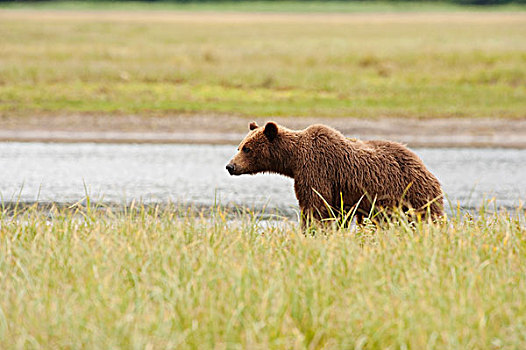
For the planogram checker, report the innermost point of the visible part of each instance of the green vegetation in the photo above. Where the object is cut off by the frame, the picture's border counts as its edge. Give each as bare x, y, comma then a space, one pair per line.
160, 279
297, 6
361, 65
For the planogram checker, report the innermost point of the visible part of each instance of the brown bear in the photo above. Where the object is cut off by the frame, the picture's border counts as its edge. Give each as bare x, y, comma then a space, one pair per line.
327, 168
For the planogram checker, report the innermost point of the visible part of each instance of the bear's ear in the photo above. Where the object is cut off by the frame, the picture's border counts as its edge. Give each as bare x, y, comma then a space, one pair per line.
271, 130
253, 126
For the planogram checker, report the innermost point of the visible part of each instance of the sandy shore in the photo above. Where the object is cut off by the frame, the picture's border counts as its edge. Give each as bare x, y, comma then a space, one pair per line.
259, 17
222, 129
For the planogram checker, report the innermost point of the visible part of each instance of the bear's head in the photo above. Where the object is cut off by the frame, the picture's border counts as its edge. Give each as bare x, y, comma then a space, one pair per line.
255, 151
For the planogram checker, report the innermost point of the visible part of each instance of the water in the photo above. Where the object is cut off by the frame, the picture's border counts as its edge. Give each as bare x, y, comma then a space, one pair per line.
195, 174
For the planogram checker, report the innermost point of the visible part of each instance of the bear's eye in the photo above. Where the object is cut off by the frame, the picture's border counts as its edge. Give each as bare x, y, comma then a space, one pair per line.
246, 149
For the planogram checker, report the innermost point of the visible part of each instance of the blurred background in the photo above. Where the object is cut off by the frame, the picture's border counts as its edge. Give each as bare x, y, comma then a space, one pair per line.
146, 101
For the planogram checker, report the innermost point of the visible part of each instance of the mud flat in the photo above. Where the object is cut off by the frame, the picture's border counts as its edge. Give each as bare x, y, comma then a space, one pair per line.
223, 129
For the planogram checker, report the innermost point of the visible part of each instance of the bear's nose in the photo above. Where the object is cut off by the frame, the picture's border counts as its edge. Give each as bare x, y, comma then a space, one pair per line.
230, 168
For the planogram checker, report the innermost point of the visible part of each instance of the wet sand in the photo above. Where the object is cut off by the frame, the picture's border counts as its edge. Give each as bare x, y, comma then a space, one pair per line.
260, 17
227, 129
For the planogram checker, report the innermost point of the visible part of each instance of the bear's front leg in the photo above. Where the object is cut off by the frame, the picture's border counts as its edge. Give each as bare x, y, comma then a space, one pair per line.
313, 201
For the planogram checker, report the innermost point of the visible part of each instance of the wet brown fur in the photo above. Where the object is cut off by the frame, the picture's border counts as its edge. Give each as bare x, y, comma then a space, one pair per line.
320, 159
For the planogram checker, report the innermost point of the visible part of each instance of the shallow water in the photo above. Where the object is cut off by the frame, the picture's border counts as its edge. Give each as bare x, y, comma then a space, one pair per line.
195, 174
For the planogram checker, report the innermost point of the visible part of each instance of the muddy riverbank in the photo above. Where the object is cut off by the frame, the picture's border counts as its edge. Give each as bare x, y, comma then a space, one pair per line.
226, 129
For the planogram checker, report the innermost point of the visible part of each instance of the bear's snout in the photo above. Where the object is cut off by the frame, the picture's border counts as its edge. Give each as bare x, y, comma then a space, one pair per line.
230, 167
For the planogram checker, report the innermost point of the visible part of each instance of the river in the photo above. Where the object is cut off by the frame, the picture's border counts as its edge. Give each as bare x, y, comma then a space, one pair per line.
196, 175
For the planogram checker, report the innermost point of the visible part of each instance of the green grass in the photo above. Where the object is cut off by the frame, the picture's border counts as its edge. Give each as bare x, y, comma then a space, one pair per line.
425, 64
261, 6
159, 279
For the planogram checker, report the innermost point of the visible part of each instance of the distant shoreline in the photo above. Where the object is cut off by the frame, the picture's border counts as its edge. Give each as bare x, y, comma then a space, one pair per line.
270, 7
225, 129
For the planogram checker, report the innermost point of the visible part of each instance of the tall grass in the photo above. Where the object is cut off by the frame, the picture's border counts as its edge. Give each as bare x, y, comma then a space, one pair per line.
161, 278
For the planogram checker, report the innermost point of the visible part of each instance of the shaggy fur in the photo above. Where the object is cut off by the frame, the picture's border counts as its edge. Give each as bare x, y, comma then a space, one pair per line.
320, 159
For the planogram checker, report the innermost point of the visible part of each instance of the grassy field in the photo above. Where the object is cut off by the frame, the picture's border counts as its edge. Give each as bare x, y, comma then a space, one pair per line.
154, 279
262, 6
418, 64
